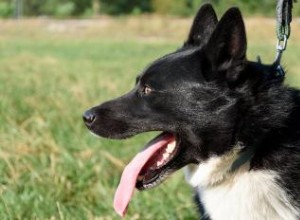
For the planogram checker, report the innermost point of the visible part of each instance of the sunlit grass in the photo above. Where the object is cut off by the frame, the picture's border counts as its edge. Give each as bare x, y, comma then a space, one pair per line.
50, 72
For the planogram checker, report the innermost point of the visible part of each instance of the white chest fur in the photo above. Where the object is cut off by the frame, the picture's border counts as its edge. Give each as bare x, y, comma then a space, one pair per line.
240, 195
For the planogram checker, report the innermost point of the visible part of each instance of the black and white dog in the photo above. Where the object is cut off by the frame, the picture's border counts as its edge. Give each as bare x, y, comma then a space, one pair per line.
232, 121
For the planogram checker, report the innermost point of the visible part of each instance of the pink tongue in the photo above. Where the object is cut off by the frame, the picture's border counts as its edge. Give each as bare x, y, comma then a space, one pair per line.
127, 184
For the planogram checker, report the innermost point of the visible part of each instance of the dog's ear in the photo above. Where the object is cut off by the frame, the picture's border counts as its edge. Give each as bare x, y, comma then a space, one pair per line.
226, 49
203, 26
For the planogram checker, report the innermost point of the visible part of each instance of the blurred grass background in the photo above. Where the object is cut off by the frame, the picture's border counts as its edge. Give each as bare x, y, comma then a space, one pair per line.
88, 8
50, 72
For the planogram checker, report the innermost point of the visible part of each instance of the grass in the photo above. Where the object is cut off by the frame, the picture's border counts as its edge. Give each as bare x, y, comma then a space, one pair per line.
50, 72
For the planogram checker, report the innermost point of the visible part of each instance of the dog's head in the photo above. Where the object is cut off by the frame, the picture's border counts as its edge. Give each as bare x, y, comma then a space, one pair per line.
192, 95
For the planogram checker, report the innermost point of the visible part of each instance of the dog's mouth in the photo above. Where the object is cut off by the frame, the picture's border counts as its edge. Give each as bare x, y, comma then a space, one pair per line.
155, 169
147, 169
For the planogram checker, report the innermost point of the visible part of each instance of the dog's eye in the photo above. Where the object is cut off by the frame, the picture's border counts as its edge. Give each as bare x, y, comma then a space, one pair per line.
147, 90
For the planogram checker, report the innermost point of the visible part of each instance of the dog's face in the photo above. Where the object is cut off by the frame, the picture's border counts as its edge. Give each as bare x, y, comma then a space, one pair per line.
190, 95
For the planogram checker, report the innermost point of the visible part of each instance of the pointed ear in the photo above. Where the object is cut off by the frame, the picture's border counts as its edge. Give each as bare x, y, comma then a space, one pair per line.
226, 49
203, 26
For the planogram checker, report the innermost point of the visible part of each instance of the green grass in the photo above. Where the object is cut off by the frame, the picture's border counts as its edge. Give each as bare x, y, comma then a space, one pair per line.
51, 166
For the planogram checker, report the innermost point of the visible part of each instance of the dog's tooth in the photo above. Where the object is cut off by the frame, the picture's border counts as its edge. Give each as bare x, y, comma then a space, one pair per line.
171, 147
169, 150
159, 163
166, 155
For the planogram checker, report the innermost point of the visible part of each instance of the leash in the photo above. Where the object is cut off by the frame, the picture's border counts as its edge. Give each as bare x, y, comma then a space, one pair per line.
283, 31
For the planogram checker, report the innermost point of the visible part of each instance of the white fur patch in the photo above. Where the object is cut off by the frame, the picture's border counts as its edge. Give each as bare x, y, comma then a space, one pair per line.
242, 194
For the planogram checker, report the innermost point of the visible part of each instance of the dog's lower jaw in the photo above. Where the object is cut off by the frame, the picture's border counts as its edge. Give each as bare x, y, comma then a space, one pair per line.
242, 194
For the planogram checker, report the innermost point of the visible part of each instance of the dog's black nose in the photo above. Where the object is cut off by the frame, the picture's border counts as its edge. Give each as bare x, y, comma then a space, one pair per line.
89, 117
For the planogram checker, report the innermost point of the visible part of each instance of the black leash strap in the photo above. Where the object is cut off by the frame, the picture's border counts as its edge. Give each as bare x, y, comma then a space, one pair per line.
283, 28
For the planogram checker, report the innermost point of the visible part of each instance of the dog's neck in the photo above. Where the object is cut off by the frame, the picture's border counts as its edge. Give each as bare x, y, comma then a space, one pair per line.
261, 114
218, 169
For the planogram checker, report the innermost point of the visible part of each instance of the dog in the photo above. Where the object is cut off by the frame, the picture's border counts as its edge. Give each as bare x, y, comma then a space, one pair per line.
229, 121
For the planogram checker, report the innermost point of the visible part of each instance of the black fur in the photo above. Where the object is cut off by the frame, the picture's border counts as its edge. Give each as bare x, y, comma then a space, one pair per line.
211, 97
205, 17
200, 207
